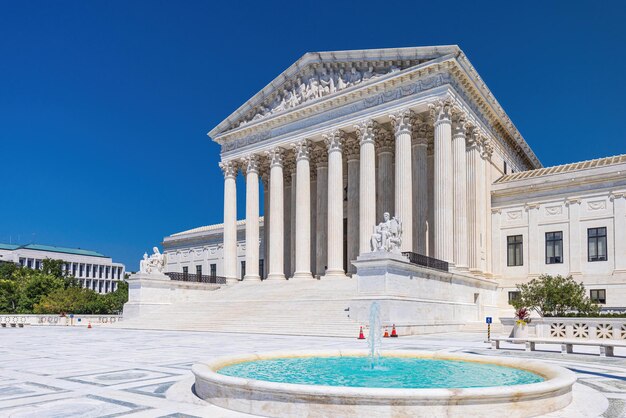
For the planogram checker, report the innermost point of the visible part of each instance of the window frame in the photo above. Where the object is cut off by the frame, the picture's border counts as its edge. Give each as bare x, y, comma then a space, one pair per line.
515, 262
514, 294
596, 298
552, 241
595, 239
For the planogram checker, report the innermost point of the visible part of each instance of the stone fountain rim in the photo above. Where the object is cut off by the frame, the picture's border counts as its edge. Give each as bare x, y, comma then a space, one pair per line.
558, 380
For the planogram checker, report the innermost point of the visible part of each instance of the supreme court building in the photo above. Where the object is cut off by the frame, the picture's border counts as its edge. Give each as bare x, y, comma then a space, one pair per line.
341, 137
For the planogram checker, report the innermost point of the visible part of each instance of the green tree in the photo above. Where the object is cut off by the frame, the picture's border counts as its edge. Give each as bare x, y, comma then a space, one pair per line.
554, 296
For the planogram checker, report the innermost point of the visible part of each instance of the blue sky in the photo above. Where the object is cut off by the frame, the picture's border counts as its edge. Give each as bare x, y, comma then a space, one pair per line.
105, 105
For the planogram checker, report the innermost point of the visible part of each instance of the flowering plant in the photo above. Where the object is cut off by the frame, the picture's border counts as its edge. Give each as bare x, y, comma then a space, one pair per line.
523, 316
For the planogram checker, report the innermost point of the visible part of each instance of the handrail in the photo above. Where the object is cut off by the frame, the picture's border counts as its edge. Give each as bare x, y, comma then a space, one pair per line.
425, 261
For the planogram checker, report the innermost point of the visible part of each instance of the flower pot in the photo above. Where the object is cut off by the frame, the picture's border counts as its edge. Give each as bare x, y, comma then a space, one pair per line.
520, 330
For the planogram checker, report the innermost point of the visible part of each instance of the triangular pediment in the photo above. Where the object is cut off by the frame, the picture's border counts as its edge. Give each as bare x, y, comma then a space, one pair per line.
319, 74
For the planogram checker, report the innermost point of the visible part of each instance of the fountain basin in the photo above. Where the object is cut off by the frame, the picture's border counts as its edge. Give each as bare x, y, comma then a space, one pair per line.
279, 399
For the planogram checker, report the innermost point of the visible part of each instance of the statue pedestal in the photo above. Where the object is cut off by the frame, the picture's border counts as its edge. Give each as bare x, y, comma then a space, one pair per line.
146, 292
418, 299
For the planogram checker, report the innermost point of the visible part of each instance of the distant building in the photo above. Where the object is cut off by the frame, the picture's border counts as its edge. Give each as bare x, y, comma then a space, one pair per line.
93, 270
201, 251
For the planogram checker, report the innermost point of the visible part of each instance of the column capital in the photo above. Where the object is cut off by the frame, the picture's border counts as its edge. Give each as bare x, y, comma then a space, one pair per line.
367, 131
385, 141
352, 149
251, 164
422, 131
618, 194
302, 150
335, 140
531, 206
319, 156
474, 138
276, 157
402, 121
487, 148
289, 168
496, 211
440, 111
459, 124
573, 201
229, 168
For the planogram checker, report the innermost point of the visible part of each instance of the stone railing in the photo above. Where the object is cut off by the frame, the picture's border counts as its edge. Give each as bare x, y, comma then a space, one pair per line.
19, 320
576, 328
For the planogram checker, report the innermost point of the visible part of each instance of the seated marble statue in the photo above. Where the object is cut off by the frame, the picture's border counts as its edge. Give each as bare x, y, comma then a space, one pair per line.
155, 264
387, 235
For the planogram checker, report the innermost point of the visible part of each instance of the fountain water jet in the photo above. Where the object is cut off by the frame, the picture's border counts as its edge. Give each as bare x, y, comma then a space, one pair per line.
374, 339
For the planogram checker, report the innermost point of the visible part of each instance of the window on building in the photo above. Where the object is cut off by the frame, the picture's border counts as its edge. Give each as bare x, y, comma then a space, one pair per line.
596, 244
514, 255
261, 267
513, 296
100, 287
185, 271
29, 263
213, 270
38, 264
100, 271
22, 262
88, 270
107, 272
598, 295
199, 270
554, 247
243, 269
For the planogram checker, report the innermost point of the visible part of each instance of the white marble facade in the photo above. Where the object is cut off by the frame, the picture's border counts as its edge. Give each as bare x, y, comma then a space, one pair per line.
341, 137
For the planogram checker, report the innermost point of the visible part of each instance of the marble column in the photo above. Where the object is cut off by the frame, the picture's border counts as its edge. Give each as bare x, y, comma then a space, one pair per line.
321, 249
460, 191
485, 222
402, 124
334, 143
443, 182
313, 204
292, 228
252, 219
474, 182
288, 167
277, 224
266, 222
419, 168
385, 178
367, 132
230, 221
352, 153
533, 249
303, 211
499, 246
576, 252
619, 226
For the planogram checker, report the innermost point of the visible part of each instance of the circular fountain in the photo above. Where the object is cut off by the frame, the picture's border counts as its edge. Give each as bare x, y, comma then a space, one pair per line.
412, 383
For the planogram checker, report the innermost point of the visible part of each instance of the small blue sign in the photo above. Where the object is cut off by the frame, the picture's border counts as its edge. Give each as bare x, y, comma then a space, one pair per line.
71, 315
489, 319
78, 319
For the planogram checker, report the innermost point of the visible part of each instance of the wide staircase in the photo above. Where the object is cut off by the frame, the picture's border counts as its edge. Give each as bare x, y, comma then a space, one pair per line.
286, 307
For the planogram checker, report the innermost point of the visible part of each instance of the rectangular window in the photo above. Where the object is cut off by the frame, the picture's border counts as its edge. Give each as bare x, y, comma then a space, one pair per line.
513, 295
213, 270
243, 269
554, 247
185, 271
598, 295
38, 264
261, 267
596, 244
199, 270
88, 270
100, 270
514, 255
22, 262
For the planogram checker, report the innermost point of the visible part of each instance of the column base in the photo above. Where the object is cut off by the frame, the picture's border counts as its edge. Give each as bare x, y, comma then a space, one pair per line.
302, 275
232, 280
334, 274
275, 276
251, 278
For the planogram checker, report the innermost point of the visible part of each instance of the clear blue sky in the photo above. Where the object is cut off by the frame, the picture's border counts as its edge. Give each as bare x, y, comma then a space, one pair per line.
105, 105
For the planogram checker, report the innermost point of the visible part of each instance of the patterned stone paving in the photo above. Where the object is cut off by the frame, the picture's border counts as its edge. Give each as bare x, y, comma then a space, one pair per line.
105, 372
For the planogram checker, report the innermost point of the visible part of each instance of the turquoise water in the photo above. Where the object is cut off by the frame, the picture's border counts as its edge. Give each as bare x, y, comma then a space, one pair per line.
394, 372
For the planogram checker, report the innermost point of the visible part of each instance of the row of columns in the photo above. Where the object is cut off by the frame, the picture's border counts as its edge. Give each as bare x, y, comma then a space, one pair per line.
459, 201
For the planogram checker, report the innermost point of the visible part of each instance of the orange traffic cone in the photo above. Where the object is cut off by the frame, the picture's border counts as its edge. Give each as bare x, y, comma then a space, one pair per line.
361, 336
394, 334
89, 325
386, 335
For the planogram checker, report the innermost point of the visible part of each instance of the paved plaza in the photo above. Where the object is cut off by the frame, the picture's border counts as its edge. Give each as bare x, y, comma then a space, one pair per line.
106, 372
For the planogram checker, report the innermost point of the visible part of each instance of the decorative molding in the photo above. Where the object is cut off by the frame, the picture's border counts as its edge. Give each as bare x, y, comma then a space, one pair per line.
422, 130
573, 201
251, 164
459, 123
596, 205
554, 210
385, 141
617, 195
440, 111
352, 149
514, 215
